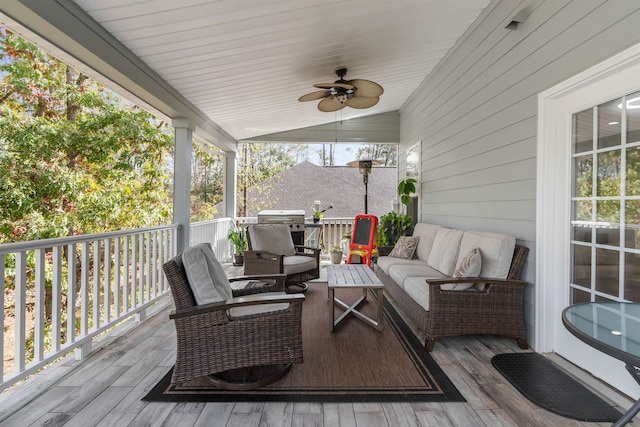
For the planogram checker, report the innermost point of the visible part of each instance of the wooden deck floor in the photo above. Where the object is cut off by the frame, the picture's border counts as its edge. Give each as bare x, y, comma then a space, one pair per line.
106, 388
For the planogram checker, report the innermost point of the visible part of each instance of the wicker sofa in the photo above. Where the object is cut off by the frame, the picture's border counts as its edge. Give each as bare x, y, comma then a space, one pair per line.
439, 304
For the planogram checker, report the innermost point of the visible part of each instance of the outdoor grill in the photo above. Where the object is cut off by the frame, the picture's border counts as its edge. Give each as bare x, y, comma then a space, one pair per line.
294, 218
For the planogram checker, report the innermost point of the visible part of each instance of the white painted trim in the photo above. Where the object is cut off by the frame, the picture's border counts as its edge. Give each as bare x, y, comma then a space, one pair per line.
613, 77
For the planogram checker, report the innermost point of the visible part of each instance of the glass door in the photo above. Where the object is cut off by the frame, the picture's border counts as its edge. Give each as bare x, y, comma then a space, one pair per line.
605, 222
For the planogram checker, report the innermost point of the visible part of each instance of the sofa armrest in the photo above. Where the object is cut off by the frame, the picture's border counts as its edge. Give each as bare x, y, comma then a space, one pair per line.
486, 280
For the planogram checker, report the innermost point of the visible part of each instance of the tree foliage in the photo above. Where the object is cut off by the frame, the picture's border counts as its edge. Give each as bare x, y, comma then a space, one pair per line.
74, 157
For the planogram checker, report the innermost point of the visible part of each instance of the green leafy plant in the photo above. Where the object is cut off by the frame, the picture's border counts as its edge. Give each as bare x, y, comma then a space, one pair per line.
406, 188
238, 236
319, 213
335, 249
392, 226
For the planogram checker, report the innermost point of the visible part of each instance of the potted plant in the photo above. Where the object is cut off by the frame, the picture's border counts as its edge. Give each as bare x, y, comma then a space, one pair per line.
319, 213
238, 236
335, 254
391, 227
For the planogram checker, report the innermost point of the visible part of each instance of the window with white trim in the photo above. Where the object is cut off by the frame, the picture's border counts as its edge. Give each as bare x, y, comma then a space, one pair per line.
605, 226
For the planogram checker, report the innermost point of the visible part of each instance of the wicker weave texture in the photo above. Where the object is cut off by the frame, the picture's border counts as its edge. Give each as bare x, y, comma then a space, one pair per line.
497, 310
209, 341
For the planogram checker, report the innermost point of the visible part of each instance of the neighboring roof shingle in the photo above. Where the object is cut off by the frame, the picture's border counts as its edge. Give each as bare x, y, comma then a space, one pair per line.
340, 186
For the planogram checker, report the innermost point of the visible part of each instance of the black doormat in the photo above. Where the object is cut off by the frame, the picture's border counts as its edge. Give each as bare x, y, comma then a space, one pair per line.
355, 363
546, 385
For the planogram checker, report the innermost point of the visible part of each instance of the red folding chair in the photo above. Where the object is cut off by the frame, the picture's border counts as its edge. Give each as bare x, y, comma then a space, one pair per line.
363, 240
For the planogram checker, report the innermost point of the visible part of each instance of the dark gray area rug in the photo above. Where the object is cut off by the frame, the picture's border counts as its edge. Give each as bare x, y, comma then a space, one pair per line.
546, 385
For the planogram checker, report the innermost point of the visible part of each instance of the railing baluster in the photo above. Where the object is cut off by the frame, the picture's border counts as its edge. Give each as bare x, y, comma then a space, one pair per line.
125, 284
95, 294
20, 296
107, 281
117, 272
134, 270
84, 289
71, 293
147, 282
56, 298
38, 309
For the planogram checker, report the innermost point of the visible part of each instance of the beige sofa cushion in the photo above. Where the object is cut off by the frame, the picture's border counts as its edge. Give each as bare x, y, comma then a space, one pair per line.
427, 234
385, 262
206, 276
444, 252
418, 290
496, 249
399, 273
272, 238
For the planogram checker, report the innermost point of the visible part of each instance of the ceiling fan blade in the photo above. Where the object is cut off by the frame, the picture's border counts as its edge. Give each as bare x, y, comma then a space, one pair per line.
332, 85
329, 104
367, 88
313, 96
362, 101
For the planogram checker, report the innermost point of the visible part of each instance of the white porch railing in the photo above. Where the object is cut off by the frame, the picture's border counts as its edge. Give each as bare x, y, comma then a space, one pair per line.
60, 293
214, 231
333, 229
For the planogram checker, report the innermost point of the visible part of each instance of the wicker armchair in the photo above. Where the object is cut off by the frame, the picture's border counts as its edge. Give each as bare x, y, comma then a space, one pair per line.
271, 251
211, 341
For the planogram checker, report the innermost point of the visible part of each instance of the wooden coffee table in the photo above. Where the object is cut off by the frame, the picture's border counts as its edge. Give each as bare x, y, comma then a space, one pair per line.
349, 276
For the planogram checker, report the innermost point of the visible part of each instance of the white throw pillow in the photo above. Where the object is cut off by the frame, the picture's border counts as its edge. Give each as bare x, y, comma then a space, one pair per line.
405, 247
470, 266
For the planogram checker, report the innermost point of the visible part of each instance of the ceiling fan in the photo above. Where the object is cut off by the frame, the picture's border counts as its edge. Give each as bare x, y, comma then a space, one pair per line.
342, 93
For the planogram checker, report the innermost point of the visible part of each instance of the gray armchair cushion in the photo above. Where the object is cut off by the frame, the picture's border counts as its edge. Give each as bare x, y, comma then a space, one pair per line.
206, 277
298, 264
273, 238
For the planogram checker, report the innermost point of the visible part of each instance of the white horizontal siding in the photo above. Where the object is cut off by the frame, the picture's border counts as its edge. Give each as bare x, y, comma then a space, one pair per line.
476, 112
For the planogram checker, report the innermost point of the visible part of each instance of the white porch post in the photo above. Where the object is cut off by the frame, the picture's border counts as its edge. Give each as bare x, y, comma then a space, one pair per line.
230, 180
182, 180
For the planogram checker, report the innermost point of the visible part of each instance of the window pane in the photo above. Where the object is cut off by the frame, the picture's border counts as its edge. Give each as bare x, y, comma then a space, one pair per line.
633, 118
607, 271
581, 233
583, 170
633, 171
578, 296
608, 211
581, 274
632, 277
608, 236
609, 174
632, 220
583, 210
609, 124
583, 131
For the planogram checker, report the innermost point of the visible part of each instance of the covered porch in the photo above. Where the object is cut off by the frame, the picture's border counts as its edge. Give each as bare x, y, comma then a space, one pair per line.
469, 105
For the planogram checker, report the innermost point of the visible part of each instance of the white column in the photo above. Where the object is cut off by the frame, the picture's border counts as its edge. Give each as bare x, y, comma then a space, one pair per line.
182, 180
230, 181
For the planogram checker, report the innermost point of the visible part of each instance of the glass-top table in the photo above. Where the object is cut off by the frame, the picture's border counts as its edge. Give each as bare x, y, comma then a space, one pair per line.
614, 329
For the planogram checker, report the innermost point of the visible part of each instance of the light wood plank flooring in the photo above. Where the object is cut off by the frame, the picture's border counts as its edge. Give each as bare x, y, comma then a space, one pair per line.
106, 388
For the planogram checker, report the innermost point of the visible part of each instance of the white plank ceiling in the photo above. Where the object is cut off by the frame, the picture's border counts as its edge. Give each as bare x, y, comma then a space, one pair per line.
244, 63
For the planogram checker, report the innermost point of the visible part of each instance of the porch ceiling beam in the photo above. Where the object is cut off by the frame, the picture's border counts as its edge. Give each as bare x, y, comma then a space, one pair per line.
69, 29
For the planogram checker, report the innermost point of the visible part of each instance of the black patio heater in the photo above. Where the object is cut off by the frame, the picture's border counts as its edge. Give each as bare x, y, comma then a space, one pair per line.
364, 166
